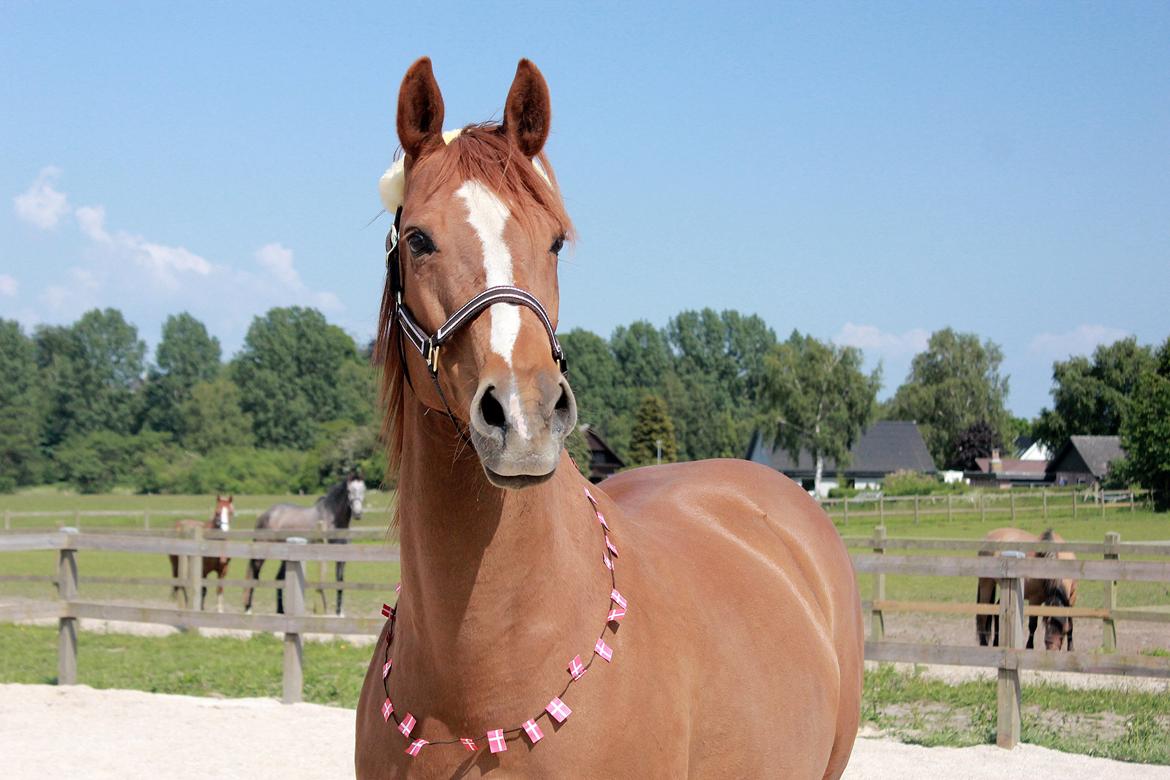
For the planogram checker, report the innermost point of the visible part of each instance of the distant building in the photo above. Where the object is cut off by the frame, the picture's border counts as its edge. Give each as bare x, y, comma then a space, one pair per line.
1085, 460
603, 461
1007, 472
1028, 448
885, 447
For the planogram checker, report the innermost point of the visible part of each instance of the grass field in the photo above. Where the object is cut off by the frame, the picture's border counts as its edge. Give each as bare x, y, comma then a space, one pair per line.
1129, 726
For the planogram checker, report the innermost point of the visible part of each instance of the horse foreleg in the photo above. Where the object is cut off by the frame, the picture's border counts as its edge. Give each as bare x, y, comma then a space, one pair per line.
253, 575
984, 595
340, 580
1070, 627
280, 589
1032, 621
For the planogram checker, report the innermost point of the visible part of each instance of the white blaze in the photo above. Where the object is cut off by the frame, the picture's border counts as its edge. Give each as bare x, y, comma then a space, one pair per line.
488, 215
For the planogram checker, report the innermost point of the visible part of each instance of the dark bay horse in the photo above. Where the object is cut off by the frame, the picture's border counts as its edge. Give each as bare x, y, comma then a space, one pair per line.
221, 520
730, 638
342, 503
1052, 593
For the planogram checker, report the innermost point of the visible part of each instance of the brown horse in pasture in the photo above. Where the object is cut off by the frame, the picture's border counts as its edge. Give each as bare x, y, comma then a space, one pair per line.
730, 640
1052, 593
221, 520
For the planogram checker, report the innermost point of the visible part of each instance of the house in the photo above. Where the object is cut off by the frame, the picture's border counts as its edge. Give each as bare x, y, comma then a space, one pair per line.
1008, 472
603, 461
885, 447
1084, 460
1028, 448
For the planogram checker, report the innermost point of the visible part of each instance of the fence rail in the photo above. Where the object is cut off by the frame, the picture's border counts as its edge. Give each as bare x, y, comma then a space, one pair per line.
1005, 562
1013, 504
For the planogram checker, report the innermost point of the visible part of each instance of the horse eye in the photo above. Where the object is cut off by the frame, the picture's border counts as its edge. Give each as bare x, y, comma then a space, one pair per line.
557, 245
420, 243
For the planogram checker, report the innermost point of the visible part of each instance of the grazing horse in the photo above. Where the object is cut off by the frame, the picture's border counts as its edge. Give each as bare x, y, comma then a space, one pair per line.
221, 520
731, 639
1051, 593
342, 503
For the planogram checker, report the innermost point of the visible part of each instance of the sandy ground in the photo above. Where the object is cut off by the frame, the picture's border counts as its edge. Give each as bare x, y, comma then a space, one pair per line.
78, 732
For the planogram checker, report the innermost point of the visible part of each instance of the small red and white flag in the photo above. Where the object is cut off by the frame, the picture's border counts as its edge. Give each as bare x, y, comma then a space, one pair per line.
615, 615
407, 725
415, 747
607, 561
601, 519
576, 668
609, 544
387, 708
387, 611
386, 668
589, 496
496, 741
618, 598
533, 731
558, 710
469, 744
603, 650
398, 588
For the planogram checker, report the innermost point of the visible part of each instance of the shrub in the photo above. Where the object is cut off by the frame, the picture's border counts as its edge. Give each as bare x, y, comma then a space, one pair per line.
910, 483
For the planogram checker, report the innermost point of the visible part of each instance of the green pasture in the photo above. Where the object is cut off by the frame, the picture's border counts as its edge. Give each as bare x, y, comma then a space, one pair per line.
1130, 726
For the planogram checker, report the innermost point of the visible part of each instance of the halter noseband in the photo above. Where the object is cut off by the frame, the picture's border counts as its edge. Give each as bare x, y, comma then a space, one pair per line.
429, 345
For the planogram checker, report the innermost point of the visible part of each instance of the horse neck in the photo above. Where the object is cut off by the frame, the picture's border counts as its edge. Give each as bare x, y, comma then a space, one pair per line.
487, 574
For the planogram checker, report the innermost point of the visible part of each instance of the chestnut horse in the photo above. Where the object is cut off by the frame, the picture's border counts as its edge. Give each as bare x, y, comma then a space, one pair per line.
221, 520
741, 655
1052, 593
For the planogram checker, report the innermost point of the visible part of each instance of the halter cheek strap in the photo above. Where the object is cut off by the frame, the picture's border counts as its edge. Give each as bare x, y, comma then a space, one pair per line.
430, 345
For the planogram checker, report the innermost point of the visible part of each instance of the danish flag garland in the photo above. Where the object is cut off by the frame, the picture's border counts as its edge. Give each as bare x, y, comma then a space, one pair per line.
556, 709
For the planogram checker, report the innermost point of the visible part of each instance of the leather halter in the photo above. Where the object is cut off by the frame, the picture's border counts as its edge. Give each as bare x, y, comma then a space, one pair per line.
429, 345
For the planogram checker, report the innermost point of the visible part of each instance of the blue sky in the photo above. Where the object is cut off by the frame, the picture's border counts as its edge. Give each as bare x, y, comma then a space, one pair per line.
867, 173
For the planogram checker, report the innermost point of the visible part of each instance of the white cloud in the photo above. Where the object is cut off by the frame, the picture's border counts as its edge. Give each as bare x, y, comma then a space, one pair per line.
41, 205
1079, 341
162, 261
277, 260
8, 286
874, 339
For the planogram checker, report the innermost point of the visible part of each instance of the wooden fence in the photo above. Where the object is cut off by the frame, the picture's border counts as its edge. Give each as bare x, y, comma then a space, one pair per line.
1010, 505
1007, 564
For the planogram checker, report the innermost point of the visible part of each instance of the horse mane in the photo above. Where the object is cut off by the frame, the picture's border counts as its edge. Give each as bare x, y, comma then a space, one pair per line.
336, 496
486, 153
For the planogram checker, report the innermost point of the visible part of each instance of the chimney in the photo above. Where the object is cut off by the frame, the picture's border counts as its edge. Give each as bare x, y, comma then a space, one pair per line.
996, 463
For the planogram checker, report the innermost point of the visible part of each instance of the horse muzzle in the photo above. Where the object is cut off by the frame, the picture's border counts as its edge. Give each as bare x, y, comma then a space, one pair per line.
518, 429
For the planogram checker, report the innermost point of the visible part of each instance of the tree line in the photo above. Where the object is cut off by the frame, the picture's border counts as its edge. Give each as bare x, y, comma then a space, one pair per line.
296, 405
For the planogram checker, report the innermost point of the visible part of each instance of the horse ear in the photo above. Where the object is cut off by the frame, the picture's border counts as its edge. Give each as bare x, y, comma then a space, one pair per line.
528, 111
420, 110
230, 499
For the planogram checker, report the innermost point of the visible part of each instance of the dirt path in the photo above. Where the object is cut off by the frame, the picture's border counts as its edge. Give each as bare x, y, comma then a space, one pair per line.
48, 732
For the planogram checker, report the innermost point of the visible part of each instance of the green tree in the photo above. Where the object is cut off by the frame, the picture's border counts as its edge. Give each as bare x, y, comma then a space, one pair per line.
955, 383
289, 372
89, 371
20, 408
1145, 429
186, 356
1091, 397
653, 432
818, 399
593, 374
211, 418
645, 365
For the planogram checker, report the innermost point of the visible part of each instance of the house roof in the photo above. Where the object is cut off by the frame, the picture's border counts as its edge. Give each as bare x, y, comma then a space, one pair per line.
1093, 452
600, 446
1014, 467
885, 447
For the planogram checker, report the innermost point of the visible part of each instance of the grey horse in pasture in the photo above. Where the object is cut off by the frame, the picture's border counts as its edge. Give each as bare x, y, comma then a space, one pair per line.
334, 510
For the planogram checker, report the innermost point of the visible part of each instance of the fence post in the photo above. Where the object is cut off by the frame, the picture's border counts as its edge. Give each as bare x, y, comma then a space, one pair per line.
294, 607
845, 503
7, 519
146, 519
983, 507
1044, 498
950, 505
1131, 501
67, 626
915, 510
1011, 636
877, 619
195, 570
1012, 498
1108, 626
1074, 495
881, 509
76, 519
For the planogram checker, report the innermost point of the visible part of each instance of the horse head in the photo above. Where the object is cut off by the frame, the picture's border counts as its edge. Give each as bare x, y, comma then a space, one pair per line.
480, 224
1056, 628
355, 488
221, 518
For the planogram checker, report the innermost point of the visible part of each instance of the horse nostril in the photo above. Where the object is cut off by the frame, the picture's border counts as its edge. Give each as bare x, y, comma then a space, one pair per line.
562, 402
493, 413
